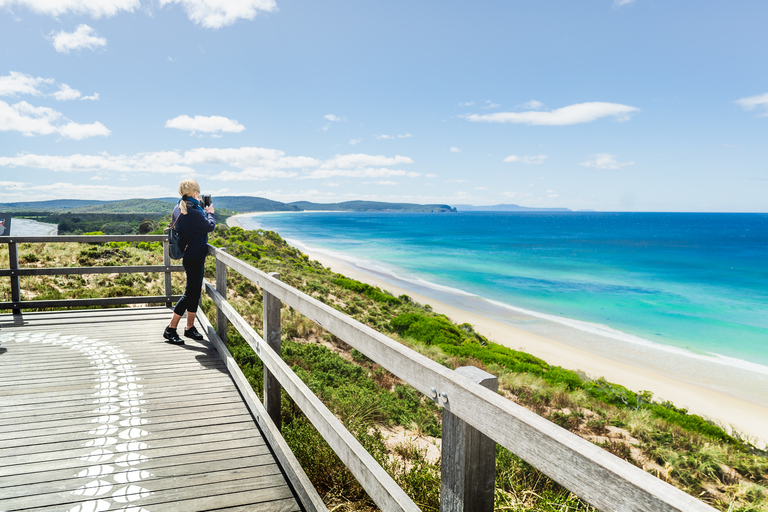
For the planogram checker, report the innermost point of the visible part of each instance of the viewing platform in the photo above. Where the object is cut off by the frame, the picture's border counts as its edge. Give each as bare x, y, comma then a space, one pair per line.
97, 412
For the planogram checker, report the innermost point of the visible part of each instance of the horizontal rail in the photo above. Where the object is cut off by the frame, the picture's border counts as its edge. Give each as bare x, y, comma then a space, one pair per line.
382, 489
82, 239
14, 272
598, 477
63, 271
76, 303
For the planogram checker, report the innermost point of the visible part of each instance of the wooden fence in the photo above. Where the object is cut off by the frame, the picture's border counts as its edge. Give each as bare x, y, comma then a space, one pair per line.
14, 272
475, 416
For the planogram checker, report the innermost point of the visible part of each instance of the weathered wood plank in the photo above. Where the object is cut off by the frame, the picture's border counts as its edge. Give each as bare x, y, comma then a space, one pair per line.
174, 488
58, 481
221, 459
76, 303
83, 238
188, 434
66, 271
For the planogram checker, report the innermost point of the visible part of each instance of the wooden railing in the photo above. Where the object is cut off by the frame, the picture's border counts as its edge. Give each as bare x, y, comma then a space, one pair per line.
14, 272
475, 416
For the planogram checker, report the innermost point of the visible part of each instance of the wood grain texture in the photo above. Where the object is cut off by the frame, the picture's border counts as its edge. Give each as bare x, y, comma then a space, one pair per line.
98, 412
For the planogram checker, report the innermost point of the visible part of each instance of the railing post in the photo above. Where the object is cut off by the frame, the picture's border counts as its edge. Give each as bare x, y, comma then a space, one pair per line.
271, 335
13, 260
167, 263
221, 288
468, 457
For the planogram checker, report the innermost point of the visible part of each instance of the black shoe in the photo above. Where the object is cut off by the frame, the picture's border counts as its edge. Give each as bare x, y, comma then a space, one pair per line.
192, 333
171, 336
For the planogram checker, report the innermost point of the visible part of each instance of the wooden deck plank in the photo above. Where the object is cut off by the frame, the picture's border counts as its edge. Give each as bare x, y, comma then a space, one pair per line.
54, 481
97, 410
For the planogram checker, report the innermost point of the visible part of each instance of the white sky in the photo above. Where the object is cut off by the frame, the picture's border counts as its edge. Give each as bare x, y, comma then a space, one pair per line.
636, 105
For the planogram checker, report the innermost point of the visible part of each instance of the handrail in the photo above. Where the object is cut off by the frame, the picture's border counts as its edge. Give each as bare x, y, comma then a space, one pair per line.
14, 272
600, 478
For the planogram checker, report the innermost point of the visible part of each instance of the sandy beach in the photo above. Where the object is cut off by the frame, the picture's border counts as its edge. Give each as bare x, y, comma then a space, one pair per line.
747, 417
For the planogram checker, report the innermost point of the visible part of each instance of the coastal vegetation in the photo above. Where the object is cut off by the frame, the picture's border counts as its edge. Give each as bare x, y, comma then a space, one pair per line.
397, 425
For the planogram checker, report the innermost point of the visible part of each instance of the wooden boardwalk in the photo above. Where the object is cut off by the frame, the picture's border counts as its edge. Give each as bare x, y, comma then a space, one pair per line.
98, 413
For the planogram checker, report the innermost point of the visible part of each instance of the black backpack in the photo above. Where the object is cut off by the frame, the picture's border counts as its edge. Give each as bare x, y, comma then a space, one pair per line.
174, 241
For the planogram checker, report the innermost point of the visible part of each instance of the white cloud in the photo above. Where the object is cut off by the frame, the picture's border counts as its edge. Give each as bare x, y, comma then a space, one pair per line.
393, 137
467, 104
38, 192
247, 157
430, 175
254, 174
605, 162
17, 83
490, 104
83, 37
759, 101
246, 164
220, 13
360, 173
572, 114
532, 105
77, 131
30, 120
454, 149
387, 183
355, 142
209, 124
65, 92
360, 160
158, 163
333, 118
94, 8
527, 159
619, 3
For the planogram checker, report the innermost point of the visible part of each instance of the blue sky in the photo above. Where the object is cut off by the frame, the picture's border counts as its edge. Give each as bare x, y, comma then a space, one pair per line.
632, 105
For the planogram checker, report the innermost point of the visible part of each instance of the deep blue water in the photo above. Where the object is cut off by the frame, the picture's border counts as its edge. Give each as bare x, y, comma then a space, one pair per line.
697, 282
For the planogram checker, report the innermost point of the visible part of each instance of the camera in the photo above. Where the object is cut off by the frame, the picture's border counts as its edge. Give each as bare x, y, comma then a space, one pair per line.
206, 200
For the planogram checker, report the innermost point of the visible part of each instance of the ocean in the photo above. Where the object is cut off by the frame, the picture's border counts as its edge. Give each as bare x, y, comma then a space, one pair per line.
684, 294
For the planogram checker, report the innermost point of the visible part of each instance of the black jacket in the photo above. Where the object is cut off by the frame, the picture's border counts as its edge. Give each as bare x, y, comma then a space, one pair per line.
193, 228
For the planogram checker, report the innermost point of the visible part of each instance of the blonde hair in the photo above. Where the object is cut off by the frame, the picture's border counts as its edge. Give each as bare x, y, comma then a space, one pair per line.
189, 188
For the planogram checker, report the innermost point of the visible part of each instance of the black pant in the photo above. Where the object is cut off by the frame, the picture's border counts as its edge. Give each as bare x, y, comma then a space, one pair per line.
194, 268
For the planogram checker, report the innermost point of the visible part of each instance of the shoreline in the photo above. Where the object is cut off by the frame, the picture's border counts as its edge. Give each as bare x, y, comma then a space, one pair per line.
726, 409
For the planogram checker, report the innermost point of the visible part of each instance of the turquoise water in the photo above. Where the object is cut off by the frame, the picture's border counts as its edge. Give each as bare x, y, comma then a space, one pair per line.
693, 284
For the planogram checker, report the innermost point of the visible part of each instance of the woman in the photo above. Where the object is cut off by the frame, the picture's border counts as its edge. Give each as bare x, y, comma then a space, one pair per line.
193, 224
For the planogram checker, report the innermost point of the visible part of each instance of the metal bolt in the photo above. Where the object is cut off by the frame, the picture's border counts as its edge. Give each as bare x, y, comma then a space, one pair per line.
434, 393
444, 398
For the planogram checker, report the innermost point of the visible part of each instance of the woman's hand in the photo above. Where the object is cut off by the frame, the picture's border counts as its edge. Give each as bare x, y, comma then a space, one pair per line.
209, 209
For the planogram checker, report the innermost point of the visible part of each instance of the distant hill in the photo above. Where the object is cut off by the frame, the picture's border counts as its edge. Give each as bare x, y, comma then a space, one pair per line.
54, 205
240, 204
506, 208
372, 206
145, 206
